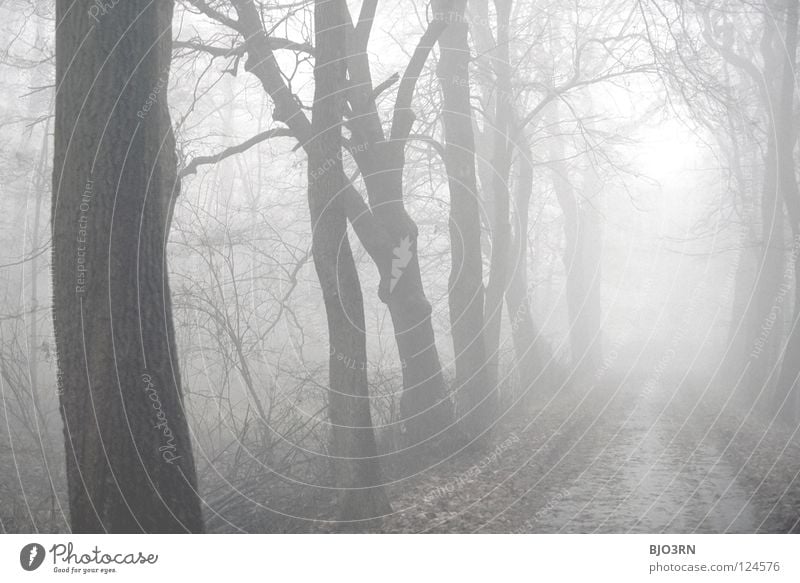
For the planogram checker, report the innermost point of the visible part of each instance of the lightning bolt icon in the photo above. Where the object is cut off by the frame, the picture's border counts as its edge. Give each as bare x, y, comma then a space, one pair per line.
34, 552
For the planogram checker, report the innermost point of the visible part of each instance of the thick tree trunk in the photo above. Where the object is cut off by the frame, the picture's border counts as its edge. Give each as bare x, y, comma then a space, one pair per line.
757, 315
741, 316
531, 350
356, 462
384, 227
501, 166
129, 455
475, 395
766, 342
425, 407
787, 396
788, 386
765, 345
744, 316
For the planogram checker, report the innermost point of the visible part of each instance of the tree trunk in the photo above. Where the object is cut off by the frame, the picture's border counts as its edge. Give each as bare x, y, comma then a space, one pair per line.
130, 466
475, 396
581, 261
532, 352
788, 386
425, 408
384, 227
765, 345
501, 166
356, 461
744, 316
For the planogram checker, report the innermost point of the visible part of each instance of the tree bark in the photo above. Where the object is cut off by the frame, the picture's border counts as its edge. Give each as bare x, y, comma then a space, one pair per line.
356, 462
425, 407
761, 332
501, 166
130, 466
788, 386
766, 342
384, 227
475, 395
743, 313
531, 350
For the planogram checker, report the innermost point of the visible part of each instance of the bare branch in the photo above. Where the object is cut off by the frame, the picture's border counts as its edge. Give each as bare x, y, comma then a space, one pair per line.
384, 86
275, 43
192, 166
403, 117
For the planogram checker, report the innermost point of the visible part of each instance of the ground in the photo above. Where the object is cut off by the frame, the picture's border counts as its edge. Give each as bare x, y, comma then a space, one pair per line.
625, 452
627, 455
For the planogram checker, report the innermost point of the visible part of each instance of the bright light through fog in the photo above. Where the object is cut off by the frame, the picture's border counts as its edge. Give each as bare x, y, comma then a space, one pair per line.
665, 152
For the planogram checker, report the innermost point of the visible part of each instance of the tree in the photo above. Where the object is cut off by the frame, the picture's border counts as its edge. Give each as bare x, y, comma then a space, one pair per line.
501, 167
756, 339
582, 256
500, 105
534, 360
518, 92
382, 224
787, 398
476, 395
130, 466
356, 462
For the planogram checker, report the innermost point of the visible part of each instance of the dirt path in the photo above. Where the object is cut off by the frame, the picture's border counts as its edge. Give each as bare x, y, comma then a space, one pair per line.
627, 457
652, 476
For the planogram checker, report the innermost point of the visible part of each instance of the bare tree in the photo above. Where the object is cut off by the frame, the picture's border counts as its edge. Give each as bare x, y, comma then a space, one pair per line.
382, 224
130, 466
476, 395
788, 388
356, 462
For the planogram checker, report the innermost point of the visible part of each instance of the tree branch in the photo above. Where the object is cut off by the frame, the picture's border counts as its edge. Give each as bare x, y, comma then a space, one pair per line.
261, 63
403, 117
192, 166
213, 14
275, 43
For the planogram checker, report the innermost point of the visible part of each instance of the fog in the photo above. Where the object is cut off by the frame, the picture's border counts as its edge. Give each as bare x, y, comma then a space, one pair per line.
463, 266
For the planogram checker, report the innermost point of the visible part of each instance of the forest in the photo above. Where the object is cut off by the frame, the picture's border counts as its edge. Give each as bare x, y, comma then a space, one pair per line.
422, 266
